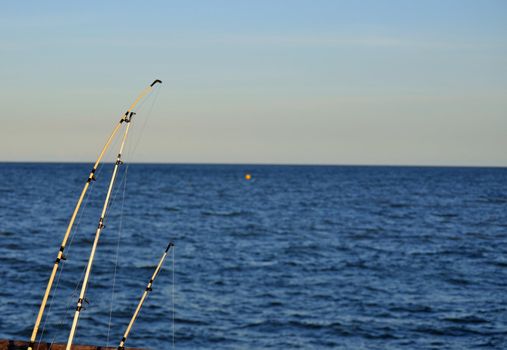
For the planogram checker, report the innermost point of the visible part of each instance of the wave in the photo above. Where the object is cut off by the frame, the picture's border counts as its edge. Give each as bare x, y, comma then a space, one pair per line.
224, 213
172, 209
469, 319
6, 234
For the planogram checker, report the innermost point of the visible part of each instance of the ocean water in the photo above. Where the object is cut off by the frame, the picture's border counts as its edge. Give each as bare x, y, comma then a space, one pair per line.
300, 257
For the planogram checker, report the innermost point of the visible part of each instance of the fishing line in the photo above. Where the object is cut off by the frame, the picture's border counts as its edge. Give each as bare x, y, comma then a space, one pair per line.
117, 254
148, 115
132, 151
71, 298
133, 137
128, 155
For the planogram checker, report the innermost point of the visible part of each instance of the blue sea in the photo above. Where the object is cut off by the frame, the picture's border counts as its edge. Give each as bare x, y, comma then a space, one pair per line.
299, 257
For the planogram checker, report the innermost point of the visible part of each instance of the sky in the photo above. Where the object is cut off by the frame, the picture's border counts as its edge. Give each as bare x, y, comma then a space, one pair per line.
278, 82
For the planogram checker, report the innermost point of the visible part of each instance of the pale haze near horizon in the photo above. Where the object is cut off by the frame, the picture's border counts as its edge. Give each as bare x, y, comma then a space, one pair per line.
286, 82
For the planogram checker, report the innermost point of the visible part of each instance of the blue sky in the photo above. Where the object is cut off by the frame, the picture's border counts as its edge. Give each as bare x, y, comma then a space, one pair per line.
314, 82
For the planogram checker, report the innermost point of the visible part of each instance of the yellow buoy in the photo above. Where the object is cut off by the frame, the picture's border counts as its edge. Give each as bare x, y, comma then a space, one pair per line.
248, 177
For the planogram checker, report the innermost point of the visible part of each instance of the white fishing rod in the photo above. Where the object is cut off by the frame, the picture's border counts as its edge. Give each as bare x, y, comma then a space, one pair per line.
143, 298
128, 117
91, 177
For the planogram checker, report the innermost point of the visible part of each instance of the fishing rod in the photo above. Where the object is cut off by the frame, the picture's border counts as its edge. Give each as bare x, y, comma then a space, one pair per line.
143, 298
100, 226
97, 235
91, 177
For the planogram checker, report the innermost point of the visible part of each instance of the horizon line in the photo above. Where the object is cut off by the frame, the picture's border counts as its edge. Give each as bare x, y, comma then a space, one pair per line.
268, 164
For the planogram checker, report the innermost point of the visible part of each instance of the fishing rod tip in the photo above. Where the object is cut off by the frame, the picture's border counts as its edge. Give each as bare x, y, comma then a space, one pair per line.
156, 81
171, 244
